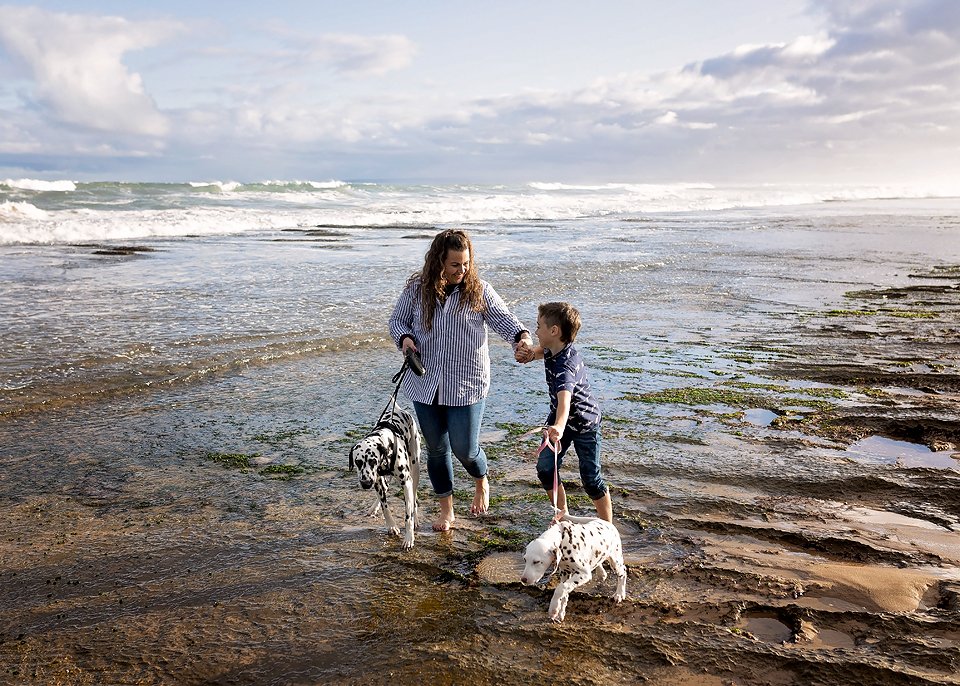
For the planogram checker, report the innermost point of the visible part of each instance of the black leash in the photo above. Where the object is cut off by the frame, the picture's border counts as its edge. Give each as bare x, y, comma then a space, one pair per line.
410, 361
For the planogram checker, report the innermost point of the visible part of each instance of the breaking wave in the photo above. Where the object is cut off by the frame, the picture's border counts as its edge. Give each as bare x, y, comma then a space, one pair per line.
33, 211
38, 185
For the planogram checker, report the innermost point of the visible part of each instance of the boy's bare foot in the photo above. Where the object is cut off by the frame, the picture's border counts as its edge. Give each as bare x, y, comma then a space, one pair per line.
444, 522
481, 499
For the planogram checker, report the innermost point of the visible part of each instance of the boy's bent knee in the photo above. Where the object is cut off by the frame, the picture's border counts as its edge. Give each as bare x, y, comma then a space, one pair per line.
546, 479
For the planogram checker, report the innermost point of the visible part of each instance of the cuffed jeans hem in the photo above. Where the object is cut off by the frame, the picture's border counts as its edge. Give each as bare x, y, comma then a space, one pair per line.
594, 491
447, 495
587, 445
606, 492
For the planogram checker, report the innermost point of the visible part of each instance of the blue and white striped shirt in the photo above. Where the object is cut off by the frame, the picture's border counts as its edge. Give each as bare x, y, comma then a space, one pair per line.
454, 351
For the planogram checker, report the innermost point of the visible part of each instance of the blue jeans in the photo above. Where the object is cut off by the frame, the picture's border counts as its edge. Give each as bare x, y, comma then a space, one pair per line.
455, 429
587, 445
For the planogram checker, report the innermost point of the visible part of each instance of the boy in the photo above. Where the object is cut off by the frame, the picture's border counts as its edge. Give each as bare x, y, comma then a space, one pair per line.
574, 411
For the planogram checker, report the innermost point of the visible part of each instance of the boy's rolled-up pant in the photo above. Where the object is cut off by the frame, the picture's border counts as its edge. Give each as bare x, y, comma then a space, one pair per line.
587, 446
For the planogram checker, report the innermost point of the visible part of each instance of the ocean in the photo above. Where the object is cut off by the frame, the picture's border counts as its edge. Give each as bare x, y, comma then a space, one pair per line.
184, 367
114, 287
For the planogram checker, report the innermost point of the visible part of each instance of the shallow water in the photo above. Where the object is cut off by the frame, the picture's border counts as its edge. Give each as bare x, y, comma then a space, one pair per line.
758, 547
902, 453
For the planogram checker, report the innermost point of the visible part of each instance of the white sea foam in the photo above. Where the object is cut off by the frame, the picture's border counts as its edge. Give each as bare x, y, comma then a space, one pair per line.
318, 185
19, 211
649, 189
71, 226
224, 186
38, 185
278, 184
178, 209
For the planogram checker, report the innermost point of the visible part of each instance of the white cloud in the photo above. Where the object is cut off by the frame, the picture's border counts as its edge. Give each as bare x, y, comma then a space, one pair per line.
76, 65
344, 54
877, 82
807, 47
17, 140
849, 117
362, 55
667, 119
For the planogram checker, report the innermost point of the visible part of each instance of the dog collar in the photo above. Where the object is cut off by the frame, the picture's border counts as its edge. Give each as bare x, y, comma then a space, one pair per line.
395, 430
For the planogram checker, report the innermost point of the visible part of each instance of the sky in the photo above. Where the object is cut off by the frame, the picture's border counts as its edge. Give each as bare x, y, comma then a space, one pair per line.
610, 91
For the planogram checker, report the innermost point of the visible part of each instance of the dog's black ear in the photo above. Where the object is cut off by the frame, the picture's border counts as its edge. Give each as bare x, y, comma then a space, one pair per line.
352, 461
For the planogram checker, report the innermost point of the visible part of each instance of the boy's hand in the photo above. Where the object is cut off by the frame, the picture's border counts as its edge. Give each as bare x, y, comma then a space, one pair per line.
524, 352
554, 433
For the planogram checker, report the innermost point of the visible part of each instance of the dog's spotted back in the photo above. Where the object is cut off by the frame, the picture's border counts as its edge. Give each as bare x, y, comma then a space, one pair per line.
576, 547
391, 449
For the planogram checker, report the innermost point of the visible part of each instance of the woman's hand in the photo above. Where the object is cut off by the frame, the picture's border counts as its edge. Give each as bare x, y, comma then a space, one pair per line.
408, 344
524, 351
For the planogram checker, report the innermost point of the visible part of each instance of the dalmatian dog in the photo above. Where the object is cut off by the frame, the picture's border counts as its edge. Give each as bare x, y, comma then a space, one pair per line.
392, 448
575, 546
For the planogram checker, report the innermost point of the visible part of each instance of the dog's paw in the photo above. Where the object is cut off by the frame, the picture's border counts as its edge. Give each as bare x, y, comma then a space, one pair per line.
557, 610
407, 542
619, 596
394, 531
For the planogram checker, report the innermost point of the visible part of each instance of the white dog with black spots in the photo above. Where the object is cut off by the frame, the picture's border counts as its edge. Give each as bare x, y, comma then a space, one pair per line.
392, 448
575, 547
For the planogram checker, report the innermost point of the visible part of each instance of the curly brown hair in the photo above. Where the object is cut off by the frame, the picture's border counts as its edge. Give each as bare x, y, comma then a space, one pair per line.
433, 285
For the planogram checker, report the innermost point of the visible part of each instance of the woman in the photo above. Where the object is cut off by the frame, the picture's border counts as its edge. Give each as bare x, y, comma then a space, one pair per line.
443, 314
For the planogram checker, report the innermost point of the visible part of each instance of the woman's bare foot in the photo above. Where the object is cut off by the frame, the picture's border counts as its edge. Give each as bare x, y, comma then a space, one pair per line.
445, 520
481, 499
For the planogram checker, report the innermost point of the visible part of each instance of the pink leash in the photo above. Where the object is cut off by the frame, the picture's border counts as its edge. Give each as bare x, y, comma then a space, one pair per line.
556, 471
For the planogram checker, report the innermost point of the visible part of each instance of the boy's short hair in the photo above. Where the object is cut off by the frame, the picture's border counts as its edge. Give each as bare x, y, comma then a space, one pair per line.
563, 315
